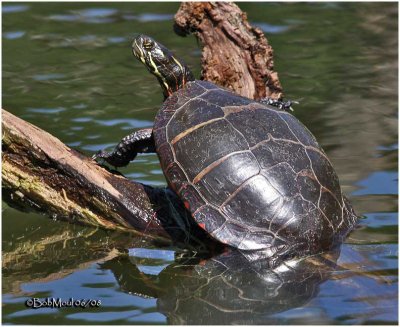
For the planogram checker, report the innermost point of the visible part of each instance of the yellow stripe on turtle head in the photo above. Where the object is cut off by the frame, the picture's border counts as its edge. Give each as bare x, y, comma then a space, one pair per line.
152, 63
181, 68
178, 63
156, 72
141, 56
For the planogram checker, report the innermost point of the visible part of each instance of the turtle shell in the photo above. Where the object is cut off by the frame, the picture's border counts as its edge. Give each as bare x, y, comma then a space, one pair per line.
251, 175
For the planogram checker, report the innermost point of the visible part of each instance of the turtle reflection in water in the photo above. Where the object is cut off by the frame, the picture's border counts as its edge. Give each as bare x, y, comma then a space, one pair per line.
235, 287
250, 173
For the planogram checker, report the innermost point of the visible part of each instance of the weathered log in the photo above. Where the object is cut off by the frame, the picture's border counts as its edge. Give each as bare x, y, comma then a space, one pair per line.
235, 54
42, 173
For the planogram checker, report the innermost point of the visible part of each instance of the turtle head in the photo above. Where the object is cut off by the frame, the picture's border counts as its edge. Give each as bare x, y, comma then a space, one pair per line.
172, 73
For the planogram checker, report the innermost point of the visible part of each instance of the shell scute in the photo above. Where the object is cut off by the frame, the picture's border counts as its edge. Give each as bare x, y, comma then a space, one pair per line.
194, 113
192, 197
256, 201
223, 177
203, 215
207, 144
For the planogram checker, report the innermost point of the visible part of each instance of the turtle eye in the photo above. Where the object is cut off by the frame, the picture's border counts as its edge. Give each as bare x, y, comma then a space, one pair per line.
148, 44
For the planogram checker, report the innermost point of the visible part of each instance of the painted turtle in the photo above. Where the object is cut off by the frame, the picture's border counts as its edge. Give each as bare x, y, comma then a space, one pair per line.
251, 174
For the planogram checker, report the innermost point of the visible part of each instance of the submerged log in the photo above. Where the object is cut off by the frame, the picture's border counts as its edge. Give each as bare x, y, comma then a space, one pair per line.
41, 173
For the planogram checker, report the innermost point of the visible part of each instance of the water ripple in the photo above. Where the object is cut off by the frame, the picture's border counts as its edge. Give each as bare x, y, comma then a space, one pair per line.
154, 17
87, 40
390, 147
272, 29
13, 35
117, 39
96, 12
6, 9
92, 15
148, 17
46, 110
47, 77
80, 106
64, 18
165, 255
130, 122
379, 182
107, 15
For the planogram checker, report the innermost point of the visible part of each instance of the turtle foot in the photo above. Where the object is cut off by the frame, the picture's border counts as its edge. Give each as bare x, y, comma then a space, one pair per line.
114, 159
280, 104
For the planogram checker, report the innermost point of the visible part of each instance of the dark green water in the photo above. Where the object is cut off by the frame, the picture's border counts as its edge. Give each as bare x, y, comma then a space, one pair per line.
68, 68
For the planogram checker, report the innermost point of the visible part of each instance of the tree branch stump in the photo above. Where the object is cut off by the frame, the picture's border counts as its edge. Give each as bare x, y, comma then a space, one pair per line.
235, 54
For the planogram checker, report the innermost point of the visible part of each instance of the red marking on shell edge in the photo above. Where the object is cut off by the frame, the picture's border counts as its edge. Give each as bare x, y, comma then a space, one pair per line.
202, 225
186, 204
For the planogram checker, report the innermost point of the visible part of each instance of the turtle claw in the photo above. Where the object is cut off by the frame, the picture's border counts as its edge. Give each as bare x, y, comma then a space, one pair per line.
287, 105
101, 157
280, 104
115, 158
100, 154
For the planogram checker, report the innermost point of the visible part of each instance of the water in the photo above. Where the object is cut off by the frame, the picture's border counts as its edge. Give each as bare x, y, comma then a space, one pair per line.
67, 68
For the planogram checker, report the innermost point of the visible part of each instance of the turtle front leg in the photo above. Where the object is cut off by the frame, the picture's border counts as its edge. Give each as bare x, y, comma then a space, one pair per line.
126, 150
280, 104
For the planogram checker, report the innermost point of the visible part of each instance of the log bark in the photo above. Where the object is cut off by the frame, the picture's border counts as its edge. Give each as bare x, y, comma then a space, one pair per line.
41, 173
235, 54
